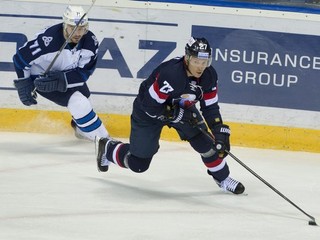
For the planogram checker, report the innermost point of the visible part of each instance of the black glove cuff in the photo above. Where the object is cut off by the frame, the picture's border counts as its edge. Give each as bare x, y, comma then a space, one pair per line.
221, 129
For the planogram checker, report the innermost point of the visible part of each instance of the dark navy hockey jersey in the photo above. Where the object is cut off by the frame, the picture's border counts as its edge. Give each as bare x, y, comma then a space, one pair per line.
77, 60
169, 81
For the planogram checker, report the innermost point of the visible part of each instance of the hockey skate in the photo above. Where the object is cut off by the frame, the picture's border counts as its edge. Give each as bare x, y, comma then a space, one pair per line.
77, 132
103, 151
100, 146
230, 185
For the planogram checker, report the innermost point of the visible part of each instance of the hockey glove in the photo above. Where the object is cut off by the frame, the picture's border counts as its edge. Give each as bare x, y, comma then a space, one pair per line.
176, 114
221, 134
26, 91
53, 81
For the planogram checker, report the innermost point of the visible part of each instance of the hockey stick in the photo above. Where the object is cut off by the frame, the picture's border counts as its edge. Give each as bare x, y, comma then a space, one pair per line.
64, 45
311, 222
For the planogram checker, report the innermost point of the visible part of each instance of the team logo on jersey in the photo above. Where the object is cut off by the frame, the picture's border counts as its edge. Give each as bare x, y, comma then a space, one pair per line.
166, 88
193, 86
46, 40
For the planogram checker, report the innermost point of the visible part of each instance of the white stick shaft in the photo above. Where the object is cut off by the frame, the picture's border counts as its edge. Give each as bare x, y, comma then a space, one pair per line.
63, 46
68, 39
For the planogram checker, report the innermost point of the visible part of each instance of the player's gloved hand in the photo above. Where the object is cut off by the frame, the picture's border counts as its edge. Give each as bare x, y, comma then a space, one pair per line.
176, 114
52, 81
26, 91
221, 134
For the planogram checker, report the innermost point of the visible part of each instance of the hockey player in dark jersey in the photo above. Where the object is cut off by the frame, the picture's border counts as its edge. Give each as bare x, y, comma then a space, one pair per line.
168, 97
65, 83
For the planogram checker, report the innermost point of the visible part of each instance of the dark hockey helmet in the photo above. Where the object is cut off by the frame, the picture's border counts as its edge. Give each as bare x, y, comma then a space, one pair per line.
199, 48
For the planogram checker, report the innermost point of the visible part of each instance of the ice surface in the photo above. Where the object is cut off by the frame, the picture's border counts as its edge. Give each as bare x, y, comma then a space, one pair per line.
50, 189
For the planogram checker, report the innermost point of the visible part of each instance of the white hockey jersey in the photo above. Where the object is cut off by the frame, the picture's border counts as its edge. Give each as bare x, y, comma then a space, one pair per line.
77, 60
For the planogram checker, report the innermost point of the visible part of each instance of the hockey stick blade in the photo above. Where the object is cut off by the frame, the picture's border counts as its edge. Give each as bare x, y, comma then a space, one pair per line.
312, 219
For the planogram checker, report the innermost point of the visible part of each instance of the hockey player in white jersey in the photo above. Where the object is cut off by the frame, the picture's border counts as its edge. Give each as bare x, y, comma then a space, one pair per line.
65, 82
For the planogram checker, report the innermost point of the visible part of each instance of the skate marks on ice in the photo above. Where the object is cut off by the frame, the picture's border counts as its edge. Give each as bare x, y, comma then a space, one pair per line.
50, 189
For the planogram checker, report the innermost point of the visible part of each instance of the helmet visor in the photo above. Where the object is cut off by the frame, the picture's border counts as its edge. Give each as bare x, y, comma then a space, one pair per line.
201, 57
200, 62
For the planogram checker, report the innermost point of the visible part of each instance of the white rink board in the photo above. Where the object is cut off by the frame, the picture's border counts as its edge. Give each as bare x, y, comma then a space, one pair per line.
140, 21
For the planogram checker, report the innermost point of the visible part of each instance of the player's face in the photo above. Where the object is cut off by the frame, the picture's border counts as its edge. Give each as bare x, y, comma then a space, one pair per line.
197, 66
78, 34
